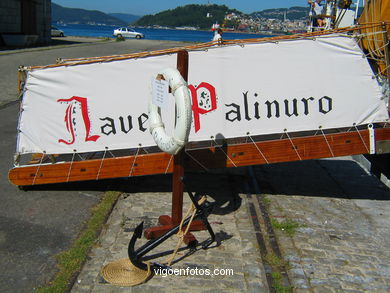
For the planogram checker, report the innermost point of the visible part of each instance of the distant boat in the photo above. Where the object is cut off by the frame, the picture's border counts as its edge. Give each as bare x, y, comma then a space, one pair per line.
215, 26
188, 28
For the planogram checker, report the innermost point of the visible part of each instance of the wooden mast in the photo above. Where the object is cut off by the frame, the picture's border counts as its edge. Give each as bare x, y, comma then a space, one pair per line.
167, 222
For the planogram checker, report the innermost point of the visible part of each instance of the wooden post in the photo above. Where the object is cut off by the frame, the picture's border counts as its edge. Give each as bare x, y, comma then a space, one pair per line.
178, 160
166, 221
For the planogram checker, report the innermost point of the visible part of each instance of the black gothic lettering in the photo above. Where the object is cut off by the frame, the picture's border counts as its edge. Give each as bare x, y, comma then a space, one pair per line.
257, 116
246, 106
236, 112
110, 125
328, 105
287, 108
142, 121
306, 104
130, 123
269, 109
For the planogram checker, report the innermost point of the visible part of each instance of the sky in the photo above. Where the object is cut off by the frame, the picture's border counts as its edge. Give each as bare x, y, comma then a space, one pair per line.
142, 7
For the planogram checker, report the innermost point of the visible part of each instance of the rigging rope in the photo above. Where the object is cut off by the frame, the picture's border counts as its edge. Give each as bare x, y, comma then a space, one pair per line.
292, 143
39, 166
258, 149
135, 158
191, 211
71, 164
101, 163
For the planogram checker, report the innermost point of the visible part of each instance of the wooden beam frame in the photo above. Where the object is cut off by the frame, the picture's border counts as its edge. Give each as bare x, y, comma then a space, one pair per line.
243, 154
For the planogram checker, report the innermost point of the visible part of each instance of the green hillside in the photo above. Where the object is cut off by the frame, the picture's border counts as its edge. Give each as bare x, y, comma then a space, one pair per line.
82, 16
128, 18
202, 16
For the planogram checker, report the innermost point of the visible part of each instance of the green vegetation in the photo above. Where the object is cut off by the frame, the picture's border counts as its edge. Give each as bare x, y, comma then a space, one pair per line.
279, 266
71, 261
275, 261
277, 283
82, 16
287, 225
266, 201
128, 18
189, 15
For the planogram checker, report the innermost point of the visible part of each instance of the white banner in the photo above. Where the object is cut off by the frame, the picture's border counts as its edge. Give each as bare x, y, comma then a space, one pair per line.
259, 88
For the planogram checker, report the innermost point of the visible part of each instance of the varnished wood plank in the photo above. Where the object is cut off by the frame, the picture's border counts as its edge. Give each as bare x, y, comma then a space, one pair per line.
275, 151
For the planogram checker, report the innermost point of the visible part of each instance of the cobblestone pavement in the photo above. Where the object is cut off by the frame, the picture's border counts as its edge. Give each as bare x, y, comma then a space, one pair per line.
236, 248
341, 244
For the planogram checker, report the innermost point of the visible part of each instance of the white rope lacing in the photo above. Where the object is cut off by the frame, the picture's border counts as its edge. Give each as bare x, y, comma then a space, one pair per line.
81, 157
170, 159
216, 144
292, 143
135, 158
101, 163
199, 163
327, 142
39, 166
361, 137
257, 147
70, 167
112, 155
24, 89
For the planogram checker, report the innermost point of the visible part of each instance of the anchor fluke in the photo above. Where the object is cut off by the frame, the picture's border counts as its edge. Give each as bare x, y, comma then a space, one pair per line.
133, 256
138, 230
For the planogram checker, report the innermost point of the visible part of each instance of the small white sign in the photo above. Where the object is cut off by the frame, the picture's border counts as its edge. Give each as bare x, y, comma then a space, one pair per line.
160, 92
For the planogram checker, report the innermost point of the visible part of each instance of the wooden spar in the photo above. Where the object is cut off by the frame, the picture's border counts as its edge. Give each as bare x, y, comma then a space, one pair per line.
243, 154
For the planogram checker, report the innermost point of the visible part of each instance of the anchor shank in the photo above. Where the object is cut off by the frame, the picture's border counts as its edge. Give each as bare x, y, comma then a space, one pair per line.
202, 212
156, 242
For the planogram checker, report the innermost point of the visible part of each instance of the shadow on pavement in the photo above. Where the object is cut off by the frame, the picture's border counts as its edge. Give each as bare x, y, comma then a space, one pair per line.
323, 178
223, 188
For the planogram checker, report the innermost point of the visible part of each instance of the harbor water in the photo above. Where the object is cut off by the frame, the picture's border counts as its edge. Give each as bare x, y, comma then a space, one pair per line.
105, 31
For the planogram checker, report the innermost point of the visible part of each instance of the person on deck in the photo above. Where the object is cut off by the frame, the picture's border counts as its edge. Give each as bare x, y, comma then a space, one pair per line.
317, 9
218, 36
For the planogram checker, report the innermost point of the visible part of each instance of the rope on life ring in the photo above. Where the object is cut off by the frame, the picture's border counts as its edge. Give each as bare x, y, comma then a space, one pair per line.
172, 144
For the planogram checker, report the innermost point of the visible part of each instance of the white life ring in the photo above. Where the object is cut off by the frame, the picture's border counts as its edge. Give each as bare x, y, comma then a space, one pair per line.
172, 144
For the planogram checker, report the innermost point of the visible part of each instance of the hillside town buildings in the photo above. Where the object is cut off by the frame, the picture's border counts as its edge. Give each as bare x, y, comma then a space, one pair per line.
250, 23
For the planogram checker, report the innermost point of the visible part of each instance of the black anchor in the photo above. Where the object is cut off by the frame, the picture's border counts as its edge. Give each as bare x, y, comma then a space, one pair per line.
135, 256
